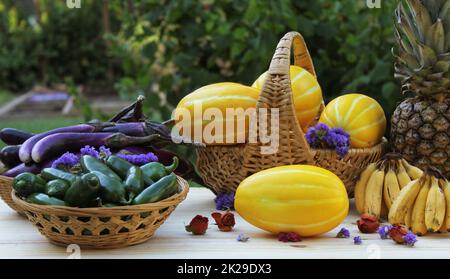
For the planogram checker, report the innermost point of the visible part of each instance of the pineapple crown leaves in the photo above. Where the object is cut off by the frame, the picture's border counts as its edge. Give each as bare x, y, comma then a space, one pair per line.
422, 30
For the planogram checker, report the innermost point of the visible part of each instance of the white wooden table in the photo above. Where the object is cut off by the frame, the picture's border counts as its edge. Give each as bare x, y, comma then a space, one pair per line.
19, 239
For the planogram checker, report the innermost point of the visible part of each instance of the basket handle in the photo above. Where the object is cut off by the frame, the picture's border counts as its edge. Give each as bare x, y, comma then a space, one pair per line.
302, 58
281, 60
277, 93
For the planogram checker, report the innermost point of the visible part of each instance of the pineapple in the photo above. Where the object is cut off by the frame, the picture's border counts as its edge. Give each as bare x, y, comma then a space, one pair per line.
420, 127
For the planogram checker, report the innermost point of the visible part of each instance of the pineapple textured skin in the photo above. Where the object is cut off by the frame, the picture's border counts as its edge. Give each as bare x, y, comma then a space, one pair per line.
420, 128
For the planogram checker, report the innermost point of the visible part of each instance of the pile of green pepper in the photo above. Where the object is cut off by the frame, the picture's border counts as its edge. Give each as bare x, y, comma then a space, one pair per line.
100, 183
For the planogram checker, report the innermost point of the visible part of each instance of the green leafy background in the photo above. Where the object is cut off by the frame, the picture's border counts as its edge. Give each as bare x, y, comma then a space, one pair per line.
165, 49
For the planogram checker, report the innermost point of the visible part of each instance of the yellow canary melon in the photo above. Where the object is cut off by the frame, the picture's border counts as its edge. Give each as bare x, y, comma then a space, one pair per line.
306, 92
359, 115
207, 109
304, 199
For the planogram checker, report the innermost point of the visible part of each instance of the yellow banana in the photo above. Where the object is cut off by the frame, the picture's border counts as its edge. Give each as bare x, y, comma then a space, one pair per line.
402, 176
408, 217
435, 207
443, 228
418, 212
391, 188
445, 185
384, 210
360, 188
403, 202
374, 193
413, 172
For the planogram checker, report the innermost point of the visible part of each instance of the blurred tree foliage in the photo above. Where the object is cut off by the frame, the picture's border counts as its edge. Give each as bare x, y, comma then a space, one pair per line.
165, 49
48, 42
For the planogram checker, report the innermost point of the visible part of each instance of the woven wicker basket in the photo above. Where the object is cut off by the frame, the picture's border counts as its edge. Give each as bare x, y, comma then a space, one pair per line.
101, 228
5, 193
224, 167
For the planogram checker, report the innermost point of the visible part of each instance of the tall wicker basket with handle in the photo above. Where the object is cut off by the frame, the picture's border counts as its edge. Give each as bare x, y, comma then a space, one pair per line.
223, 167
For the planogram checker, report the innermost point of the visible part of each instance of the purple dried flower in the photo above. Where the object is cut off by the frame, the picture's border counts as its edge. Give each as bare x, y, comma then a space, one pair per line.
321, 136
410, 239
311, 137
242, 238
357, 240
383, 231
224, 201
342, 151
333, 139
339, 131
339, 139
315, 134
322, 126
104, 151
67, 160
89, 150
139, 159
343, 233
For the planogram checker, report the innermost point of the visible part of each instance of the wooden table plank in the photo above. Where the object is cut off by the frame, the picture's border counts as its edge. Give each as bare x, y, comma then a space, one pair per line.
19, 239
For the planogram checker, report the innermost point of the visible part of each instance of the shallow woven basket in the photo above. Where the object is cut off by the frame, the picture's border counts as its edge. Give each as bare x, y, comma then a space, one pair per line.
223, 167
101, 228
5, 193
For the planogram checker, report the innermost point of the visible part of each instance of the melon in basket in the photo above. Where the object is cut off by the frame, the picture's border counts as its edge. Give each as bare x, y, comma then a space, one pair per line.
212, 110
359, 115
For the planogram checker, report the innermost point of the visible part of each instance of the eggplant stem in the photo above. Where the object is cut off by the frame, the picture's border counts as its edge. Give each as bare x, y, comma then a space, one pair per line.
168, 123
126, 110
121, 140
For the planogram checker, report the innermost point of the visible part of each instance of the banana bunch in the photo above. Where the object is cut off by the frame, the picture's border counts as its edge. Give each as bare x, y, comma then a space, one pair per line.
427, 201
380, 184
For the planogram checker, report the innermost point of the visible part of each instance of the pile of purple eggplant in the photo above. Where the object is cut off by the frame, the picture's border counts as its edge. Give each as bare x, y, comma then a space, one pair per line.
129, 131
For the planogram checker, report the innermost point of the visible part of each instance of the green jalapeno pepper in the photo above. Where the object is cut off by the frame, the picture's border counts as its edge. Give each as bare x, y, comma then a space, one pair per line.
90, 164
43, 199
121, 167
52, 174
156, 170
111, 190
134, 183
83, 190
57, 188
27, 183
159, 190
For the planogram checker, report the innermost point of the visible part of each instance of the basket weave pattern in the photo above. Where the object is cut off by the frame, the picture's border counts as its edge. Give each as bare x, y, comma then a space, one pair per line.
101, 227
5, 193
224, 167
349, 167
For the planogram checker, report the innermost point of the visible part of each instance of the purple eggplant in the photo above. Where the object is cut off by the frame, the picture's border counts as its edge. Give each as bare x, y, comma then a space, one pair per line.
28, 145
56, 144
9, 155
135, 129
13, 136
33, 168
136, 150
